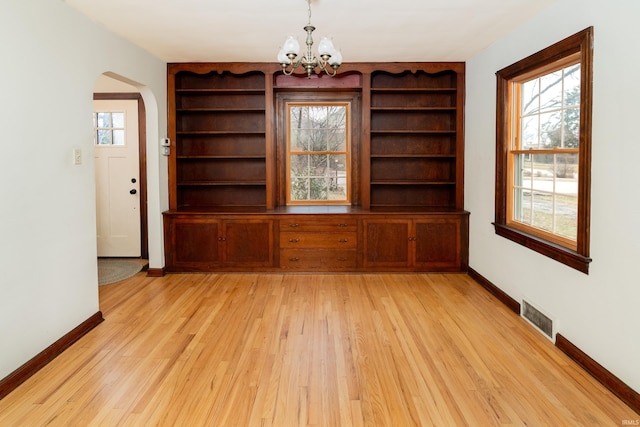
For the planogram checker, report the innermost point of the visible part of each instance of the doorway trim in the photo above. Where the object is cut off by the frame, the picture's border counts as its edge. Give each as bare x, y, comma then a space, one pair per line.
142, 159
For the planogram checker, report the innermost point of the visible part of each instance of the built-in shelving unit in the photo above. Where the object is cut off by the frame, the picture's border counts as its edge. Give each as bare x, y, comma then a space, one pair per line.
414, 139
220, 133
227, 170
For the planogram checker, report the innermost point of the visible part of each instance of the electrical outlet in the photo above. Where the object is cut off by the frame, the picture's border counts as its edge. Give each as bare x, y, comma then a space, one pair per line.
77, 156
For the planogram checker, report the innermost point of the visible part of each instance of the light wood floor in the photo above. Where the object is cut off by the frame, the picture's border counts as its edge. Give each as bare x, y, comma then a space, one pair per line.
310, 350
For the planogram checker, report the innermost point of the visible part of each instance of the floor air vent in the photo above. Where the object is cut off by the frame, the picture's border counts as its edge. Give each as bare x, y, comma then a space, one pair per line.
538, 319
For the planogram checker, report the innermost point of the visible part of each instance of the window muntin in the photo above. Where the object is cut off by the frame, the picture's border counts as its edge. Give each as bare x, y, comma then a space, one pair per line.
318, 155
543, 150
544, 153
109, 128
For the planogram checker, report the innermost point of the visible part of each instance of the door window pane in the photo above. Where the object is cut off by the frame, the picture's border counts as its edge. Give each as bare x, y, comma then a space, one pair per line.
109, 128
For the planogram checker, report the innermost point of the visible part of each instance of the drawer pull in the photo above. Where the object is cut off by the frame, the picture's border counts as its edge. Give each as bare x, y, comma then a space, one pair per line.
294, 240
343, 225
294, 259
293, 225
343, 240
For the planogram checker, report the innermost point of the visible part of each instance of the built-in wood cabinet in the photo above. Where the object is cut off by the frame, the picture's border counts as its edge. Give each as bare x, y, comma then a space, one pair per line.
289, 240
432, 244
226, 168
206, 243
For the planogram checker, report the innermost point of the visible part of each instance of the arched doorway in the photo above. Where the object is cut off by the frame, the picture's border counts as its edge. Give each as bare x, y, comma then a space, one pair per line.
121, 178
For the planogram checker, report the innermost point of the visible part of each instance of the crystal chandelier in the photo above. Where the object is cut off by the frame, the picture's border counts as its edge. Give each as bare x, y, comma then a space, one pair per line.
329, 61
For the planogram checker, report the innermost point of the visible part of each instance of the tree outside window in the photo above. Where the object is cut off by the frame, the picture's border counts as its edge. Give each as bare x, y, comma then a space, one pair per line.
318, 154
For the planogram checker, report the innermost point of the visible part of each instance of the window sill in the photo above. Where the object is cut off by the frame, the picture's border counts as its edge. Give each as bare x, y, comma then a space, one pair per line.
561, 254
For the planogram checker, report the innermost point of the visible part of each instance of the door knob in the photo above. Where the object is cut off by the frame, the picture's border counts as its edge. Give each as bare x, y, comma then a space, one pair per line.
132, 191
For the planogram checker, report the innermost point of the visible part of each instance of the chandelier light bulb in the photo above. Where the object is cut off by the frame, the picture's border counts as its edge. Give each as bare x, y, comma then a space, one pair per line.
283, 58
325, 47
291, 45
336, 58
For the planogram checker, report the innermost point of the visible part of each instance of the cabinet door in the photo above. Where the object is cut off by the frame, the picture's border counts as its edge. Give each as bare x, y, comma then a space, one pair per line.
248, 242
437, 244
195, 244
386, 243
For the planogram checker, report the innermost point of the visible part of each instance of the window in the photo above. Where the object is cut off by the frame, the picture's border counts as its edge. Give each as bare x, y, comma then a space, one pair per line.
109, 128
543, 151
318, 153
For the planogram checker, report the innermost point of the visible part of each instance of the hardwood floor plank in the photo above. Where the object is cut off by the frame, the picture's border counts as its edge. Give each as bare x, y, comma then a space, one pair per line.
309, 350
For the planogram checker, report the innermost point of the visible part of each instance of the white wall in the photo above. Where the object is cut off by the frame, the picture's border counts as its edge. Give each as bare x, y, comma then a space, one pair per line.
51, 58
598, 312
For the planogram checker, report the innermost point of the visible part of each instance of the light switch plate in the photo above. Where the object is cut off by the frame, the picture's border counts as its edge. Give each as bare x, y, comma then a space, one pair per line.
77, 156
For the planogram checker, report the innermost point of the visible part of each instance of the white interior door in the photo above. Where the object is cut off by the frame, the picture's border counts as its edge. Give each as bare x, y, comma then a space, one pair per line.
117, 178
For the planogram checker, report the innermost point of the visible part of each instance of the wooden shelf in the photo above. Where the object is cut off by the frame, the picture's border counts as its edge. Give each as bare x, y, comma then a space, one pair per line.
409, 90
221, 132
392, 182
220, 109
218, 157
414, 131
220, 91
220, 183
436, 109
412, 155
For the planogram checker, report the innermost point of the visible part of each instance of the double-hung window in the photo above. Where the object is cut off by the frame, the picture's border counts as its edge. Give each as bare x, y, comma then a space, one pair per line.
318, 154
544, 151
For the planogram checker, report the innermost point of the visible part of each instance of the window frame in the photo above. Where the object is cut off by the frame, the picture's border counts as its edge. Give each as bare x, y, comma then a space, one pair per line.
305, 95
560, 54
346, 152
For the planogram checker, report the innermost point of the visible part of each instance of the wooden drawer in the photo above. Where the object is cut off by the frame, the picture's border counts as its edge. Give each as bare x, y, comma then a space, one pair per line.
317, 260
318, 240
330, 226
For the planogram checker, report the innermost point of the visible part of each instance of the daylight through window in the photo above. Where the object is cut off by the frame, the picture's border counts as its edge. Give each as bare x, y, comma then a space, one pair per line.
544, 152
318, 154
109, 128
543, 146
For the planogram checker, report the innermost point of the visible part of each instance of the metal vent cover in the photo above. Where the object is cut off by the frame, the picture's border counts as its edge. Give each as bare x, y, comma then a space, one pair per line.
538, 319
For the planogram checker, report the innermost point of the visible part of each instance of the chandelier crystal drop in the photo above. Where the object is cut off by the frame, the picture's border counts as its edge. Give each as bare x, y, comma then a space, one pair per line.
329, 59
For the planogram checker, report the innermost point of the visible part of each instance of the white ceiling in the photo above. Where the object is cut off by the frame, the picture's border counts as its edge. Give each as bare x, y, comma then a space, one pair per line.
364, 30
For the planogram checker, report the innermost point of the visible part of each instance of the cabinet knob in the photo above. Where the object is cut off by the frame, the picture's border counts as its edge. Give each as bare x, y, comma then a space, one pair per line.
222, 238
343, 225
413, 238
294, 259
294, 240
343, 240
294, 225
